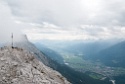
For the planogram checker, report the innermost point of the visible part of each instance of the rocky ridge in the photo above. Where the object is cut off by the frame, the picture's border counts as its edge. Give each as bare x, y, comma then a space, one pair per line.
19, 66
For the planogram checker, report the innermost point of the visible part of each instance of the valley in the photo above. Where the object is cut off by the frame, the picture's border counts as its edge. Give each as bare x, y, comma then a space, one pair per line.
84, 58
82, 65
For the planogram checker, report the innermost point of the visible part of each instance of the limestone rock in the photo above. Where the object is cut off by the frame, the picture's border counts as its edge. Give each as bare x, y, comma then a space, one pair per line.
19, 66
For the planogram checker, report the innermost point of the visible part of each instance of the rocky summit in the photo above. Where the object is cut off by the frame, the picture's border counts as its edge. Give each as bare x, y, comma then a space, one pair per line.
19, 66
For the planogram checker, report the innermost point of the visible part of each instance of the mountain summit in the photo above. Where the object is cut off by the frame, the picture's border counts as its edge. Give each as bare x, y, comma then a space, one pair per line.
19, 66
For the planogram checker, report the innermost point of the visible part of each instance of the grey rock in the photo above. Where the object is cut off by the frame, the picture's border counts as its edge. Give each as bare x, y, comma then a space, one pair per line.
19, 66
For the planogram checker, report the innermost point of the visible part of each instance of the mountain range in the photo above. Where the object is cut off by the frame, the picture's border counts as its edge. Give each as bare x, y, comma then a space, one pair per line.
112, 56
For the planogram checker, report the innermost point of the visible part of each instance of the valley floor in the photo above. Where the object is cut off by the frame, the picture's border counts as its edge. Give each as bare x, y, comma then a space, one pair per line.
95, 70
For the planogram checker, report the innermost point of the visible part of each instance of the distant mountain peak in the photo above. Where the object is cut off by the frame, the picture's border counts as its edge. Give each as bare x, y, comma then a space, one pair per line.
19, 66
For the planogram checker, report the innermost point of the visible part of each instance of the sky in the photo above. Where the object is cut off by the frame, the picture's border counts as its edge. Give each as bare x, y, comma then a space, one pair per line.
63, 19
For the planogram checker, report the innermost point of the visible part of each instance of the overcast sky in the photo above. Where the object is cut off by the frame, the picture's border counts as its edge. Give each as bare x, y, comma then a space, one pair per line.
63, 19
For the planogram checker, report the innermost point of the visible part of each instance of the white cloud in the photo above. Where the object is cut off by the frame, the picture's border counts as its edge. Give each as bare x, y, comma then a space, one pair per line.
65, 19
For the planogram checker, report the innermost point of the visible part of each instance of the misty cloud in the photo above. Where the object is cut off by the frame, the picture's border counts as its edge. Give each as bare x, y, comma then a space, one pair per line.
8, 24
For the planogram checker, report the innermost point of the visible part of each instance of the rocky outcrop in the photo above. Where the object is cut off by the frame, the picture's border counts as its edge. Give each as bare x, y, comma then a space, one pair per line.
27, 45
19, 66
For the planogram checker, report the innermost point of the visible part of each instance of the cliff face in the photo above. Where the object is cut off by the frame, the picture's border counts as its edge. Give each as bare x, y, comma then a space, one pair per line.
19, 66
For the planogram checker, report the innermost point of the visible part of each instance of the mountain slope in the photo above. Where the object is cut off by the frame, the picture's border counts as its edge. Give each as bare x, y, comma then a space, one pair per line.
19, 66
112, 56
50, 53
25, 44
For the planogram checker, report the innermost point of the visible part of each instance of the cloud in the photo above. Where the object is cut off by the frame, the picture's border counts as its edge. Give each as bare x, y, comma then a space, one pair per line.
61, 12
66, 19
67, 13
8, 24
